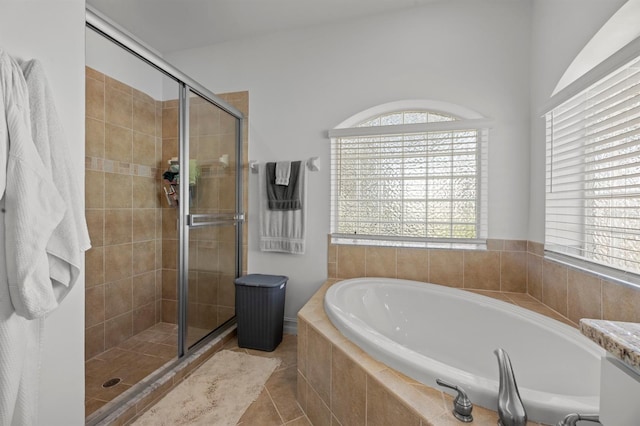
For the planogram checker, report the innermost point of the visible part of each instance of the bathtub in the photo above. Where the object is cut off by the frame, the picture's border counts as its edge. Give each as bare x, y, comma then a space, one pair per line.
427, 331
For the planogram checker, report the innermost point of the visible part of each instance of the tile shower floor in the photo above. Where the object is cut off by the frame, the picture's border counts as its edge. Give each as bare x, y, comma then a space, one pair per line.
130, 361
143, 353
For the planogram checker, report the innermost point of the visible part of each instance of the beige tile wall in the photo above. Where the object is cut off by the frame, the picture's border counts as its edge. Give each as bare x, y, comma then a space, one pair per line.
502, 267
507, 265
578, 294
122, 267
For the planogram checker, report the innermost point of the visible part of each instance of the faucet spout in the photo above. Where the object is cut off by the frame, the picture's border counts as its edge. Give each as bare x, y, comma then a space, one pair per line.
510, 409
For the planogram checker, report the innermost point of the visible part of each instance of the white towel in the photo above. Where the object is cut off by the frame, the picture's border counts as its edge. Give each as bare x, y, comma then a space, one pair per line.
283, 172
22, 182
282, 230
70, 239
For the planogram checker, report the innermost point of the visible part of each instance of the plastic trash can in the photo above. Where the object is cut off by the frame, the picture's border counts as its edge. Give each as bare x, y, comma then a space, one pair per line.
260, 310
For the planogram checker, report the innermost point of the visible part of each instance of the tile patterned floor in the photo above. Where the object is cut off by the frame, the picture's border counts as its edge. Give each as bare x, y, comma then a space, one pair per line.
142, 354
277, 404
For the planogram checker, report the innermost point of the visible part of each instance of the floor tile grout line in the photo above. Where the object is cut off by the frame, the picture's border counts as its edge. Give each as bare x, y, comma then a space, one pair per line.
273, 402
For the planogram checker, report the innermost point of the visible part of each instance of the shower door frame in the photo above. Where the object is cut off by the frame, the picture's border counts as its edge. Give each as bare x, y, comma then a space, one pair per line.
111, 31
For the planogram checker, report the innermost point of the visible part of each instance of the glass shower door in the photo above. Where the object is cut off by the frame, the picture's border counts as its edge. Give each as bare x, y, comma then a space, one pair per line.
213, 217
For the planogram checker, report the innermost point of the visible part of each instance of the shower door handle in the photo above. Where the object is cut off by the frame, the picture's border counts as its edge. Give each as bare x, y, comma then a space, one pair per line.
196, 220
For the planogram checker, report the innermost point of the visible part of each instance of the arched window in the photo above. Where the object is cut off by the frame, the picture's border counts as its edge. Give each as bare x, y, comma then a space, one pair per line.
407, 172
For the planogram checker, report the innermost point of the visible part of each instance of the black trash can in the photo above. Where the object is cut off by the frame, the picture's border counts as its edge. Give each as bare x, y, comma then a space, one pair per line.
260, 310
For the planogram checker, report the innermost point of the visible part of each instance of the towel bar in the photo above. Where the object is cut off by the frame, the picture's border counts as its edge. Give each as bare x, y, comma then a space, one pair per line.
313, 163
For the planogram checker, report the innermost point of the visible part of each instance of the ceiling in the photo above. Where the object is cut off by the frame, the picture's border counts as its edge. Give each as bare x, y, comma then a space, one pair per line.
169, 25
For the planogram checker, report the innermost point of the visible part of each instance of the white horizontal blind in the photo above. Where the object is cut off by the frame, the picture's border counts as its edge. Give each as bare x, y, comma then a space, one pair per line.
593, 172
423, 186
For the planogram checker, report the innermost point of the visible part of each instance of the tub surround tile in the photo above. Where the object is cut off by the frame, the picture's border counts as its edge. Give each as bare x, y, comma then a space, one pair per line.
351, 262
348, 389
390, 397
413, 264
584, 296
620, 302
380, 262
446, 267
482, 270
621, 339
383, 408
319, 364
513, 271
534, 276
554, 286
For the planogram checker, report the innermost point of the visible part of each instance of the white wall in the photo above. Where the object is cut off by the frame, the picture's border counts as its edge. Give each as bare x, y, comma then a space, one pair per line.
53, 32
112, 60
304, 82
560, 30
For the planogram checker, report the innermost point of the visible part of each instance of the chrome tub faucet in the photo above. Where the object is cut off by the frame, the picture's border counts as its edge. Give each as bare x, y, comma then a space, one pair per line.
462, 406
511, 411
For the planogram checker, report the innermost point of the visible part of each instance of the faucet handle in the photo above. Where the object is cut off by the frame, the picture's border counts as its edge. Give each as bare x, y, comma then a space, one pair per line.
462, 405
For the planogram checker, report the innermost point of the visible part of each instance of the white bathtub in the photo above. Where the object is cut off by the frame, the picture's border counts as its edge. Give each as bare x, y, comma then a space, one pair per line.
428, 331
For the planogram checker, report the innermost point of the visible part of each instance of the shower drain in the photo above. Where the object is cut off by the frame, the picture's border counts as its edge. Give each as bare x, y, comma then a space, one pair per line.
111, 382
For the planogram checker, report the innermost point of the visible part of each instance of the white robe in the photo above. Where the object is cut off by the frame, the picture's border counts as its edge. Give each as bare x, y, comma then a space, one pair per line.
32, 209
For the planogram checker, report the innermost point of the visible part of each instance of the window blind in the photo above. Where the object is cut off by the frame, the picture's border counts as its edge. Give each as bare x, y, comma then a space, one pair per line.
413, 185
593, 172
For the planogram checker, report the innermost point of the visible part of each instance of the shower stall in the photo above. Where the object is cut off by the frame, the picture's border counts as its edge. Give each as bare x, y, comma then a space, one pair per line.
164, 204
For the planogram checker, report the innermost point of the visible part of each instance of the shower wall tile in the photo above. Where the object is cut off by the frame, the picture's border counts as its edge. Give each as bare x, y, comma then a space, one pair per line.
94, 189
144, 257
94, 302
144, 289
118, 298
170, 122
94, 98
118, 143
144, 149
144, 224
123, 149
118, 191
95, 135
95, 224
170, 284
94, 341
118, 329
118, 108
144, 317
144, 115
118, 223
112, 83
94, 266
118, 262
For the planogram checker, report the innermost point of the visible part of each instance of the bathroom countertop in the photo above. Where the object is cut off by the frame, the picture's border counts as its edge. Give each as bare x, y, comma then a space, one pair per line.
621, 339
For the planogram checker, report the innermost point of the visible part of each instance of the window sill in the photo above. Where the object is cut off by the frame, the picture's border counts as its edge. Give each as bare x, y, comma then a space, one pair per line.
462, 245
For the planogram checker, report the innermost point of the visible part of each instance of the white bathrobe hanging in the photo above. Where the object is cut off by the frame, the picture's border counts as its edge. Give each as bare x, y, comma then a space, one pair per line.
32, 209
